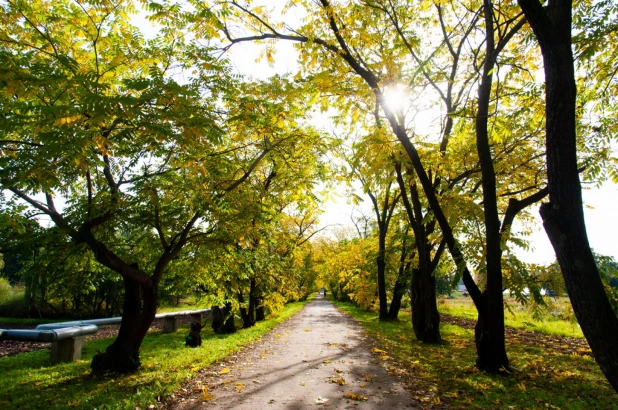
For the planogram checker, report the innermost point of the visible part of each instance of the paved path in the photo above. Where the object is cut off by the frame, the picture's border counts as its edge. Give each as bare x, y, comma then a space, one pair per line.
313, 360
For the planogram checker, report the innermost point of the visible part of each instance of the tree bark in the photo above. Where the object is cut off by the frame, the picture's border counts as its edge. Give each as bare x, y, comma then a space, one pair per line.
489, 329
563, 216
139, 310
252, 304
403, 274
382, 275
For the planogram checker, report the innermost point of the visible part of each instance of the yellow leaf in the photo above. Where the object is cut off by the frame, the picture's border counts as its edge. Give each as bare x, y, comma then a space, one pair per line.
367, 377
307, 330
340, 382
354, 396
374, 350
207, 396
224, 371
326, 361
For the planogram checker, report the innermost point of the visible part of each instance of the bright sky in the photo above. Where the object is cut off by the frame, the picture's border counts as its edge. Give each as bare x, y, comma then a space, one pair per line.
601, 203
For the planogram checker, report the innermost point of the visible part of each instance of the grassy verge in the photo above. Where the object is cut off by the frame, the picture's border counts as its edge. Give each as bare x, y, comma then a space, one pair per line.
28, 381
518, 317
444, 376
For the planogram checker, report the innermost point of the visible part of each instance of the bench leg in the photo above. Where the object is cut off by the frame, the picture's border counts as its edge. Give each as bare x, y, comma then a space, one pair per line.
170, 324
67, 350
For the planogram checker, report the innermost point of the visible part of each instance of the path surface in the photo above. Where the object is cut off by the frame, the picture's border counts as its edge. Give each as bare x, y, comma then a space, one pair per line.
313, 360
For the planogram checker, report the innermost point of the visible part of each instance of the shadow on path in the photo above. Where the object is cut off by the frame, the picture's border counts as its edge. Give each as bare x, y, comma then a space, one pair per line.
312, 360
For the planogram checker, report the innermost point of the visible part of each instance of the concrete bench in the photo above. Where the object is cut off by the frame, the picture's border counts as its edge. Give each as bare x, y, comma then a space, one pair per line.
67, 338
66, 341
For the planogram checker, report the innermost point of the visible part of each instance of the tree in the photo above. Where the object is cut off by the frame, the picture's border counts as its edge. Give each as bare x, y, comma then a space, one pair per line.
367, 163
336, 35
563, 216
142, 163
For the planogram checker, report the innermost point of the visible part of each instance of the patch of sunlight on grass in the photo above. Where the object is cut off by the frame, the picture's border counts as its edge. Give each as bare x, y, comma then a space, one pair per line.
557, 320
540, 378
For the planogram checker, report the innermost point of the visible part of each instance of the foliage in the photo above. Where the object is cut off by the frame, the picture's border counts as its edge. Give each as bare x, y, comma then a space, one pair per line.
12, 299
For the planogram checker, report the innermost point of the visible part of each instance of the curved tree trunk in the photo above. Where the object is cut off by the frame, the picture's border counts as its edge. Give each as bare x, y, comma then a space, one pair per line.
563, 216
139, 310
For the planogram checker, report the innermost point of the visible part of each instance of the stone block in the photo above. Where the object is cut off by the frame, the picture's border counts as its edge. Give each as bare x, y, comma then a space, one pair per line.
67, 350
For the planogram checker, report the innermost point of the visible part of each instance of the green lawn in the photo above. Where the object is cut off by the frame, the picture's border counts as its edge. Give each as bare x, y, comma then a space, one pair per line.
557, 320
445, 374
27, 381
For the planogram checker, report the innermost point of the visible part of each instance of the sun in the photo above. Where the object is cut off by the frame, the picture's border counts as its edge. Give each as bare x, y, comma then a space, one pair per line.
395, 98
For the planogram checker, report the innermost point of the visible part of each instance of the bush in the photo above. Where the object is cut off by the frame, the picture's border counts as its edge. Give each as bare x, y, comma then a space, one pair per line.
12, 301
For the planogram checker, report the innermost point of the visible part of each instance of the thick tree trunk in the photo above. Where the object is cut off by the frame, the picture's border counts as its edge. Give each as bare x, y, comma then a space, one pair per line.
563, 216
139, 310
425, 316
489, 337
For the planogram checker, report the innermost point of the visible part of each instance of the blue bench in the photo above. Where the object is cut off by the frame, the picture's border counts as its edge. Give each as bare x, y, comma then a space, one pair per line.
67, 338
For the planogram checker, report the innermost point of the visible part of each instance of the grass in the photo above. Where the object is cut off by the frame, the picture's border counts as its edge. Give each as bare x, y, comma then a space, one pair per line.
445, 376
28, 381
551, 322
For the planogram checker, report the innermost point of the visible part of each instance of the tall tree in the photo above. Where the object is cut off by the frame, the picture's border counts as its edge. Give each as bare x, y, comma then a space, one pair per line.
563, 216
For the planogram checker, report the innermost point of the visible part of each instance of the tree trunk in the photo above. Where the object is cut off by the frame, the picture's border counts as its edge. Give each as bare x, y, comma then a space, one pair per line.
244, 313
139, 310
563, 216
398, 292
425, 316
252, 303
381, 277
259, 309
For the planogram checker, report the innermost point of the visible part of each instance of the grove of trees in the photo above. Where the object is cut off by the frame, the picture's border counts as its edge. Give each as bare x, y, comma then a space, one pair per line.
134, 169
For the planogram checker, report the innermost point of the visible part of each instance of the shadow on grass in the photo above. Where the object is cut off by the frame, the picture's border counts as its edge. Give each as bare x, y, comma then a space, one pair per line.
445, 376
28, 380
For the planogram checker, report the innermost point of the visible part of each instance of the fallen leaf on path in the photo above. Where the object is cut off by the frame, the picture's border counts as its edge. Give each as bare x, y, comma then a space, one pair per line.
239, 387
277, 336
368, 378
339, 371
307, 330
374, 350
340, 382
321, 400
384, 357
302, 383
257, 382
354, 396
224, 371
326, 361
207, 396
362, 385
